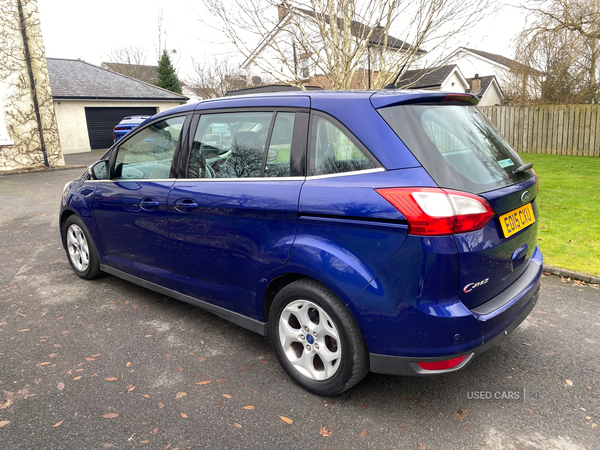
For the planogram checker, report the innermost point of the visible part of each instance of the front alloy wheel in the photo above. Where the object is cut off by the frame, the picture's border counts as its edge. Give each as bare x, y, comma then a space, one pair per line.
81, 250
77, 246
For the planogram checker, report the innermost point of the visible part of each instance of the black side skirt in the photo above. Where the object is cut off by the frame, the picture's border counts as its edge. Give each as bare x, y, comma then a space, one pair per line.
238, 319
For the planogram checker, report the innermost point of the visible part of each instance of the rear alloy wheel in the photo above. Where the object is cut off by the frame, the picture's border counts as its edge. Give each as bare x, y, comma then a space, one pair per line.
80, 249
316, 339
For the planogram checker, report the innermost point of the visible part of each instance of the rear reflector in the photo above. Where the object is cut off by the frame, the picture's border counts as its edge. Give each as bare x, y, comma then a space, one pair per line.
437, 212
441, 365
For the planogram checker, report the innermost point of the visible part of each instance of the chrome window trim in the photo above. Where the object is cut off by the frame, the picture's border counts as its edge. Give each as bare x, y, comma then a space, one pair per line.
314, 177
346, 174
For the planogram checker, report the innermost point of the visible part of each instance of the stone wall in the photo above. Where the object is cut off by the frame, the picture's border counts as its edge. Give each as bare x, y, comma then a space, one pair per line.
26, 107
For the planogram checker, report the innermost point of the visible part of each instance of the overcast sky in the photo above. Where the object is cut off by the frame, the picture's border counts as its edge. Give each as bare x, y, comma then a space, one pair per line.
89, 30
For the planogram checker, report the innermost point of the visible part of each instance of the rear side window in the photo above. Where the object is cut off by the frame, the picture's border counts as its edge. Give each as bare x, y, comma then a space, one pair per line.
242, 145
457, 145
334, 151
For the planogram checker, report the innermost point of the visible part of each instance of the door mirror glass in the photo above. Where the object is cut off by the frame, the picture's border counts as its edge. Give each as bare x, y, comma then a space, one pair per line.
99, 170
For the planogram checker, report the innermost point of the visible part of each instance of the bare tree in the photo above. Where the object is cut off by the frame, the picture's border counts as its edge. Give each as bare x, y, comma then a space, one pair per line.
563, 40
130, 61
214, 78
339, 37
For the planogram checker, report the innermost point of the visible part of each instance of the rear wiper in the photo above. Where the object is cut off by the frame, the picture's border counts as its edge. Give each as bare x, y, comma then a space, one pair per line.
523, 168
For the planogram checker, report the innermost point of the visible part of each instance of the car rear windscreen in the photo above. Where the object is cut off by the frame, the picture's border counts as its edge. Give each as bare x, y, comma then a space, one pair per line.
457, 146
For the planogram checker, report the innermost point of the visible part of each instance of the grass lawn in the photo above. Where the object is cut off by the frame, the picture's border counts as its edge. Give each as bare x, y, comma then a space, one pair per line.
569, 202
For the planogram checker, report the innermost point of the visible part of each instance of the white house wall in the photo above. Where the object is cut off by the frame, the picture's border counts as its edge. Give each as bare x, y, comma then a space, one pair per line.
471, 65
72, 125
454, 83
491, 97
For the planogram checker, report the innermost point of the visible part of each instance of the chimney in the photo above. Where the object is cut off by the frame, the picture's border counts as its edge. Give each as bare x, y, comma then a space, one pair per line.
476, 84
282, 10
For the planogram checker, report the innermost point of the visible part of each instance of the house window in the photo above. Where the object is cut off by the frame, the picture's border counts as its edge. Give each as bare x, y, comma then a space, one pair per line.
304, 65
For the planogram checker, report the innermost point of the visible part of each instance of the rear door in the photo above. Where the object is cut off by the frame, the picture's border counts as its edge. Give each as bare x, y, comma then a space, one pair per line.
462, 151
234, 218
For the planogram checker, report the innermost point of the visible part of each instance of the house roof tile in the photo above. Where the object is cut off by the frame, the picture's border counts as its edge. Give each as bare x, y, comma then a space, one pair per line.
73, 78
507, 62
424, 78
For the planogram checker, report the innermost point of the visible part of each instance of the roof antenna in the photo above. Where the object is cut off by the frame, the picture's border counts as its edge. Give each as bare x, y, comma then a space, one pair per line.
392, 85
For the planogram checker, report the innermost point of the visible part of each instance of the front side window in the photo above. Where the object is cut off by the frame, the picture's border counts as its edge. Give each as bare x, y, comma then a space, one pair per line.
241, 145
333, 151
149, 153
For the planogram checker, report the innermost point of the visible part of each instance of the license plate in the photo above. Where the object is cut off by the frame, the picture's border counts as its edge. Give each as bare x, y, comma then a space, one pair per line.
517, 220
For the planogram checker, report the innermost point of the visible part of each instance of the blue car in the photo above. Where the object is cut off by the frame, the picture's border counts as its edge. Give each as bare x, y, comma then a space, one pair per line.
126, 125
391, 231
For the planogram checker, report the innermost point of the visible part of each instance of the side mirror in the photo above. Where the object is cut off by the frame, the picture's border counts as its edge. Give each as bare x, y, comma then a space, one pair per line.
272, 155
99, 170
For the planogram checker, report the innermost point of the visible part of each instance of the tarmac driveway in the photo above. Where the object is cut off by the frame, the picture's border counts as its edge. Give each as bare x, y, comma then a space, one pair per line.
107, 364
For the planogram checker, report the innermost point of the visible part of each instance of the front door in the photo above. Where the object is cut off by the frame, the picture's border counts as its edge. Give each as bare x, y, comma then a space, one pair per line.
130, 208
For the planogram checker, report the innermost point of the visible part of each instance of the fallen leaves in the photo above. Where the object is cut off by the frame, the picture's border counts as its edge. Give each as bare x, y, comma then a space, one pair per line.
161, 405
286, 420
249, 407
466, 428
128, 364
218, 404
184, 415
4, 423
58, 424
44, 363
403, 429
148, 335
238, 425
77, 378
363, 433
421, 446
201, 358
110, 415
145, 441
460, 414
591, 341
179, 369
130, 388
90, 359
326, 431
203, 382
569, 382
26, 329
60, 386
226, 395
180, 394
111, 379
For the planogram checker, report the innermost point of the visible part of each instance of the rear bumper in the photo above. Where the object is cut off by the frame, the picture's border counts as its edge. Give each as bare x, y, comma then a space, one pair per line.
427, 336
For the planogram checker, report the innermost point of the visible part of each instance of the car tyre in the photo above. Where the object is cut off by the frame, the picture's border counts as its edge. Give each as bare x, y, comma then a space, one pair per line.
80, 248
316, 338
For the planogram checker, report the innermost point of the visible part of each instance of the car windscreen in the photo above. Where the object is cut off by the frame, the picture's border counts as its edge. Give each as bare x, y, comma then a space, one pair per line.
457, 146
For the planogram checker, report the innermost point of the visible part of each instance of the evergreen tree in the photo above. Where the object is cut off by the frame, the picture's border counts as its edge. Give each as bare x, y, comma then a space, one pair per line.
167, 78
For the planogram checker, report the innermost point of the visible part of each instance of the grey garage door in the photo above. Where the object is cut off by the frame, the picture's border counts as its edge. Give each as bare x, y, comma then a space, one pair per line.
101, 121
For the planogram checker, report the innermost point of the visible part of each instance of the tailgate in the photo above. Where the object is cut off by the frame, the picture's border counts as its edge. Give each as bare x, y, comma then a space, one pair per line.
491, 259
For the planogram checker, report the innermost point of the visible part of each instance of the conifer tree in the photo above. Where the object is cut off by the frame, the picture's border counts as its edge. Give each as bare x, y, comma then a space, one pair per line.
167, 78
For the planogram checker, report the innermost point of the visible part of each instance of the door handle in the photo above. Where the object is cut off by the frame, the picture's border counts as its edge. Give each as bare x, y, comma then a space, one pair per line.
185, 205
149, 204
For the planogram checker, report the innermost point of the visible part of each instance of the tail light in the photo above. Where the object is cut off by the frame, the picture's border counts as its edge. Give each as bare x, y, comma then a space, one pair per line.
436, 212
